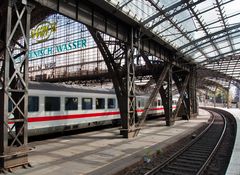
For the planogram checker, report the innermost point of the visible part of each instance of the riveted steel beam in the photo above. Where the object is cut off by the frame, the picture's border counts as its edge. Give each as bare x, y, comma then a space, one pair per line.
129, 128
216, 35
170, 15
175, 25
166, 94
181, 82
103, 17
168, 106
123, 77
159, 83
192, 87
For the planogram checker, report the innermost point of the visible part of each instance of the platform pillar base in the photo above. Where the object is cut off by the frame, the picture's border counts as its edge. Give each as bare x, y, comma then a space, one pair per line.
170, 123
8, 162
194, 115
127, 133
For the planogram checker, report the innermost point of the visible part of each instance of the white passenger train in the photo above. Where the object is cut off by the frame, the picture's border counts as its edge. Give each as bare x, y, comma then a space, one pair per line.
55, 108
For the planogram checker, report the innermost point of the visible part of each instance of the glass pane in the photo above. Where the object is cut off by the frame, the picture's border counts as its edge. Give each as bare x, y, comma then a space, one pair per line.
52, 103
100, 103
71, 103
33, 103
86, 103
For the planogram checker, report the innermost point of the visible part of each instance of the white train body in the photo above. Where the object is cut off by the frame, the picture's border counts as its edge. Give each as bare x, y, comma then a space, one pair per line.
56, 108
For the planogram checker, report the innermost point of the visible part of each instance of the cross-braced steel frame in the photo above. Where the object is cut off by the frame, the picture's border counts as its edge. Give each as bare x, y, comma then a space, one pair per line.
119, 58
14, 92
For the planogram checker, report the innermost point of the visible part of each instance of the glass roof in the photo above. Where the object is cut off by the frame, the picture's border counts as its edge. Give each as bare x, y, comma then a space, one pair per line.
207, 31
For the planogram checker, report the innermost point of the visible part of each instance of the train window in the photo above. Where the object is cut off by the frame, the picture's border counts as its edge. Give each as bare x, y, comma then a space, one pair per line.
71, 103
100, 103
86, 103
33, 103
52, 103
159, 102
154, 103
111, 103
139, 103
10, 105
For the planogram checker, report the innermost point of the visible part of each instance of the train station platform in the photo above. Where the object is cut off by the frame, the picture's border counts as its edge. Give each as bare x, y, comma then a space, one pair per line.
234, 164
105, 151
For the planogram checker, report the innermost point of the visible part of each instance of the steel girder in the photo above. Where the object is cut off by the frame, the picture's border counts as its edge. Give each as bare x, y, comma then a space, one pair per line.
193, 92
210, 73
167, 102
14, 93
116, 24
166, 94
178, 27
181, 80
224, 21
205, 29
208, 82
170, 15
159, 83
129, 128
204, 40
123, 77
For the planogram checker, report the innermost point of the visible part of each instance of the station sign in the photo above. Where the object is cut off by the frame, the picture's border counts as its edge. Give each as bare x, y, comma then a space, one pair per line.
57, 49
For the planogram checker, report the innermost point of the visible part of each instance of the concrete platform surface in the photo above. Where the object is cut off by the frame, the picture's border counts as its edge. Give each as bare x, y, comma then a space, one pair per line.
105, 152
234, 164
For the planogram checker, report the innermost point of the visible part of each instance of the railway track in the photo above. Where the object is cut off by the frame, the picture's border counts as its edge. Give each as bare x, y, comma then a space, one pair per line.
196, 156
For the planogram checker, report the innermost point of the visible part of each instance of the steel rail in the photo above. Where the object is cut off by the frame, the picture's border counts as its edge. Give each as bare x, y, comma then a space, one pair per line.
216, 147
182, 150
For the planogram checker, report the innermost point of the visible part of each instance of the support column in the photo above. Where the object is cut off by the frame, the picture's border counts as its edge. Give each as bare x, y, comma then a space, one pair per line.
14, 93
228, 95
191, 91
128, 125
214, 97
168, 110
166, 94
123, 77
194, 94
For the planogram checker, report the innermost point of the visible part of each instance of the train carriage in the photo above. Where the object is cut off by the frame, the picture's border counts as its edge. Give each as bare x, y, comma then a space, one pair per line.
55, 108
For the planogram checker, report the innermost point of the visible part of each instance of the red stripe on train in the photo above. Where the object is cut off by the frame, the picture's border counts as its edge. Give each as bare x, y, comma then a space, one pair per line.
77, 116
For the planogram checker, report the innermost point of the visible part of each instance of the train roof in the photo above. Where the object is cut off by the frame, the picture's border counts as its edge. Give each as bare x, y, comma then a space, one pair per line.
67, 88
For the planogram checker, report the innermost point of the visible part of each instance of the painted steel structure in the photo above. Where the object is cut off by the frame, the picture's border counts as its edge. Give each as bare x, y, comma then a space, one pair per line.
14, 90
159, 33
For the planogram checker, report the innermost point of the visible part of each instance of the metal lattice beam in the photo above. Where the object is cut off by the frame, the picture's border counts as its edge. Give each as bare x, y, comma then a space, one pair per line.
212, 35
178, 27
14, 93
123, 78
166, 11
159, 83
206, 31
222, 16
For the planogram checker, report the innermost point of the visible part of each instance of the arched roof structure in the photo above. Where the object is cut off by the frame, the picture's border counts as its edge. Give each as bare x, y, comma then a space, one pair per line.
206, 32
